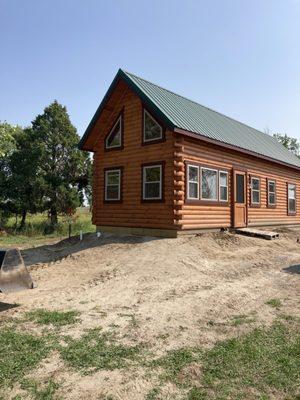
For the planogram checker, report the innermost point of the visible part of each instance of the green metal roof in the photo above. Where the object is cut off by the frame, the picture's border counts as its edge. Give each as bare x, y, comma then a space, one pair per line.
180, 112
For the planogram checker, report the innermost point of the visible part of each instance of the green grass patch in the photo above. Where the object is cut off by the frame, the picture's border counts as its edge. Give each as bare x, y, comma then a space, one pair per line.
46, 392
175, 361
55, 318
275, 303
20, 352
95, 351
38, 229
153, 394
265, 360
242, 319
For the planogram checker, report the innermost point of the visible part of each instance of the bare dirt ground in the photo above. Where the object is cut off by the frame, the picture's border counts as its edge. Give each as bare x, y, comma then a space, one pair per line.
167, 293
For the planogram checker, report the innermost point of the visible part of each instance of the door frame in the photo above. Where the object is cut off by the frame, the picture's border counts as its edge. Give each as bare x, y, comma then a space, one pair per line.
236, 169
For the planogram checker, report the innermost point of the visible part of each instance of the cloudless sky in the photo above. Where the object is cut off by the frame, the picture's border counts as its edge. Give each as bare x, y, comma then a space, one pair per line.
239, 57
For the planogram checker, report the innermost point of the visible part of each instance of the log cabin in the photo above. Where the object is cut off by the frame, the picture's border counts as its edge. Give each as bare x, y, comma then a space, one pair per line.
165, 165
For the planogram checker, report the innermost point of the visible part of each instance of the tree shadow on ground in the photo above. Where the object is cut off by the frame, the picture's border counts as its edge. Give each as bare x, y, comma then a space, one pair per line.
53, 252
292, 269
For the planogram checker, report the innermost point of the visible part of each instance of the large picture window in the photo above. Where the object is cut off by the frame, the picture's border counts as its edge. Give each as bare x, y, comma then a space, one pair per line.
271, 193
209, 182
255, 191
291, 199
152, 131
152, 181
114, 139
113, 184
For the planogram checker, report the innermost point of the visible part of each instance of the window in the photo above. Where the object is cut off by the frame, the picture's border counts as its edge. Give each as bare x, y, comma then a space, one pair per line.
114, 138
152, 182
271, 193
209, 178
152, 131
291, 198
206, 184
193, 182
255, 191
113, 184
223, 185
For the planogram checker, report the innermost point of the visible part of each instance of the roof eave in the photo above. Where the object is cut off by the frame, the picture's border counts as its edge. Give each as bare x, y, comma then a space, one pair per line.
232, 147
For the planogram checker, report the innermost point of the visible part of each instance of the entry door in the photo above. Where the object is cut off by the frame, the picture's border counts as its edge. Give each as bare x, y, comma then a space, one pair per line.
239, 199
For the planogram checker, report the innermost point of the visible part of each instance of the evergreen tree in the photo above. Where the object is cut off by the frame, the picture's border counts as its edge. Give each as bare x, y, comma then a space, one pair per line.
63, 166
25, 183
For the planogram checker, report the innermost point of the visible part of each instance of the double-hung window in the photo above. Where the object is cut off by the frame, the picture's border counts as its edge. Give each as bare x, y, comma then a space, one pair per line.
113, 178
223, 186
271, 193
152, 178
193, 182
255, 191
291, 198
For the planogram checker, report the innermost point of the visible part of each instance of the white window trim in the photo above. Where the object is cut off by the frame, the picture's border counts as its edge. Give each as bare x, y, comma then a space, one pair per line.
107, 146
217, 183
291, 198
188, 182
223, 172
160, 182
255, 190
269, 192
144, 130
107, 185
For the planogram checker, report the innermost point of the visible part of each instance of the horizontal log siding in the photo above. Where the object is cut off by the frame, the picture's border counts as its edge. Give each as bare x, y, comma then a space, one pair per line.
132, 212
197, 216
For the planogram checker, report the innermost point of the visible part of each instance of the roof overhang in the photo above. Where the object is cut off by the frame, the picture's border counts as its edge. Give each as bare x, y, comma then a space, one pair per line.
231, 147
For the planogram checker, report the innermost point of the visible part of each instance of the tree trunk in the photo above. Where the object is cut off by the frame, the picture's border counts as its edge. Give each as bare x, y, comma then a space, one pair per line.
23, 220
53, 212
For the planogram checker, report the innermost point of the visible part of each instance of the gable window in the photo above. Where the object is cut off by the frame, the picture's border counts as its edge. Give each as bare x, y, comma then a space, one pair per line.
152, 130
271, 193
291, 199
152, 182
223, 185
255, 191
209, 181
114, 139
113, 184
193, 182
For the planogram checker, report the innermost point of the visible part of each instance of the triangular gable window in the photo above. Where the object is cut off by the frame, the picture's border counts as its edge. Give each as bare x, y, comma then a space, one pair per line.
152, 130
114, 138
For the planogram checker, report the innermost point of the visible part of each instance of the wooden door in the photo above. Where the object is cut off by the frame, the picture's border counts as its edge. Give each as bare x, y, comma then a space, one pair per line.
239, 199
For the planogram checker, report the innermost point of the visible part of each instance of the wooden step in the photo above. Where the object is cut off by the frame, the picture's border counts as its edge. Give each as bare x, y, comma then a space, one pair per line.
258, 233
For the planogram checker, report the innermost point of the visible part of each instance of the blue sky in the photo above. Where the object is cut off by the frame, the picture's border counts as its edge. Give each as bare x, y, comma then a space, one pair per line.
239, 57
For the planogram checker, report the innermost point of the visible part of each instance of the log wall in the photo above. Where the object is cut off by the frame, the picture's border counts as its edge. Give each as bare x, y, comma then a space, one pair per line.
131, 212
196, 215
